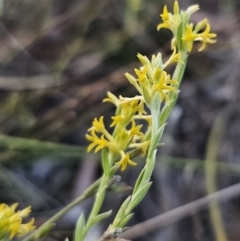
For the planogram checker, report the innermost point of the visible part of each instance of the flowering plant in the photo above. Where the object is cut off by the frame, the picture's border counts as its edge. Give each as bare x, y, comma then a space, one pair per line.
11, 221
157, 94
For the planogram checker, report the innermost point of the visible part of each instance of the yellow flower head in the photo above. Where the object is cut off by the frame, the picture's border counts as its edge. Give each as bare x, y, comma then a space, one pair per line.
171, 21
125, 129
152, 77
11, 221
156, 88
185, 33
100, 142
125, 160
192, 34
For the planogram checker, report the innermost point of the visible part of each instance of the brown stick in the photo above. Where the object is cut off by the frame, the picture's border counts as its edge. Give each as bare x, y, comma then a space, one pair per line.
182, 212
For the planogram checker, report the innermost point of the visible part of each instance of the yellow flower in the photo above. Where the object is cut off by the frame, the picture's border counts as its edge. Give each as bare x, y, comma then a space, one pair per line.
186, 33
170, 21
123, 134
143, 146
125, 160
99, 143
206, 37
135, 130
152, 78
192, 35
98, 125
165, 18
128, 107
112, 98
11, 221
165, 14
116, 120
189, 36
174, 58
163, 86
142, 74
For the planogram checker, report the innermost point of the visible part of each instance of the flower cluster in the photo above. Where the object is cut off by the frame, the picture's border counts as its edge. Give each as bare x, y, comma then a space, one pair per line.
152, 77
156, 88
186, 33
11, 221
157, 95
127, 134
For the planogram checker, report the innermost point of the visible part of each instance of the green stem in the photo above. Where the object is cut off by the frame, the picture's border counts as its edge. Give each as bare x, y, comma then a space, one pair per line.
180, 68
99, 198
41, 231
97, 203
177, 75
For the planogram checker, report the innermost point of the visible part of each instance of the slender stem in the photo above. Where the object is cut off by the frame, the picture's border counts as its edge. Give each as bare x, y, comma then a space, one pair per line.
99, 198
180, 68
41, 230
155, 122
97, 203
150, 161
177, 75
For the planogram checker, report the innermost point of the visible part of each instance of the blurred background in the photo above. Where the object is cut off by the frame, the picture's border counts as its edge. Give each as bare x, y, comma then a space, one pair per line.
58, 59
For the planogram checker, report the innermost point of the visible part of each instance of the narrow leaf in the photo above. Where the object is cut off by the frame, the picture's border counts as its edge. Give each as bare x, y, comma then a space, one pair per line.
155, 140
100, 217
79, 228
124, 221
122, 209
179, 35
167, 109
138, 196
149, 167
139, 180
40, 147
105, 162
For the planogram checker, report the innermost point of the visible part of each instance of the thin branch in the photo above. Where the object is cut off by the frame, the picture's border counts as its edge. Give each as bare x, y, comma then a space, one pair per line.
182, 212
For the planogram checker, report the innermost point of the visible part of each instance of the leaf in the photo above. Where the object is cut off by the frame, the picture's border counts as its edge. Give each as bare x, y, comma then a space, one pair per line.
125, 203
149, 167
124, 221
179, 35
155, 140
100, 217
79, 228
138, 196
105, 162
167, 109
122, 210
40, 148
139, 181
